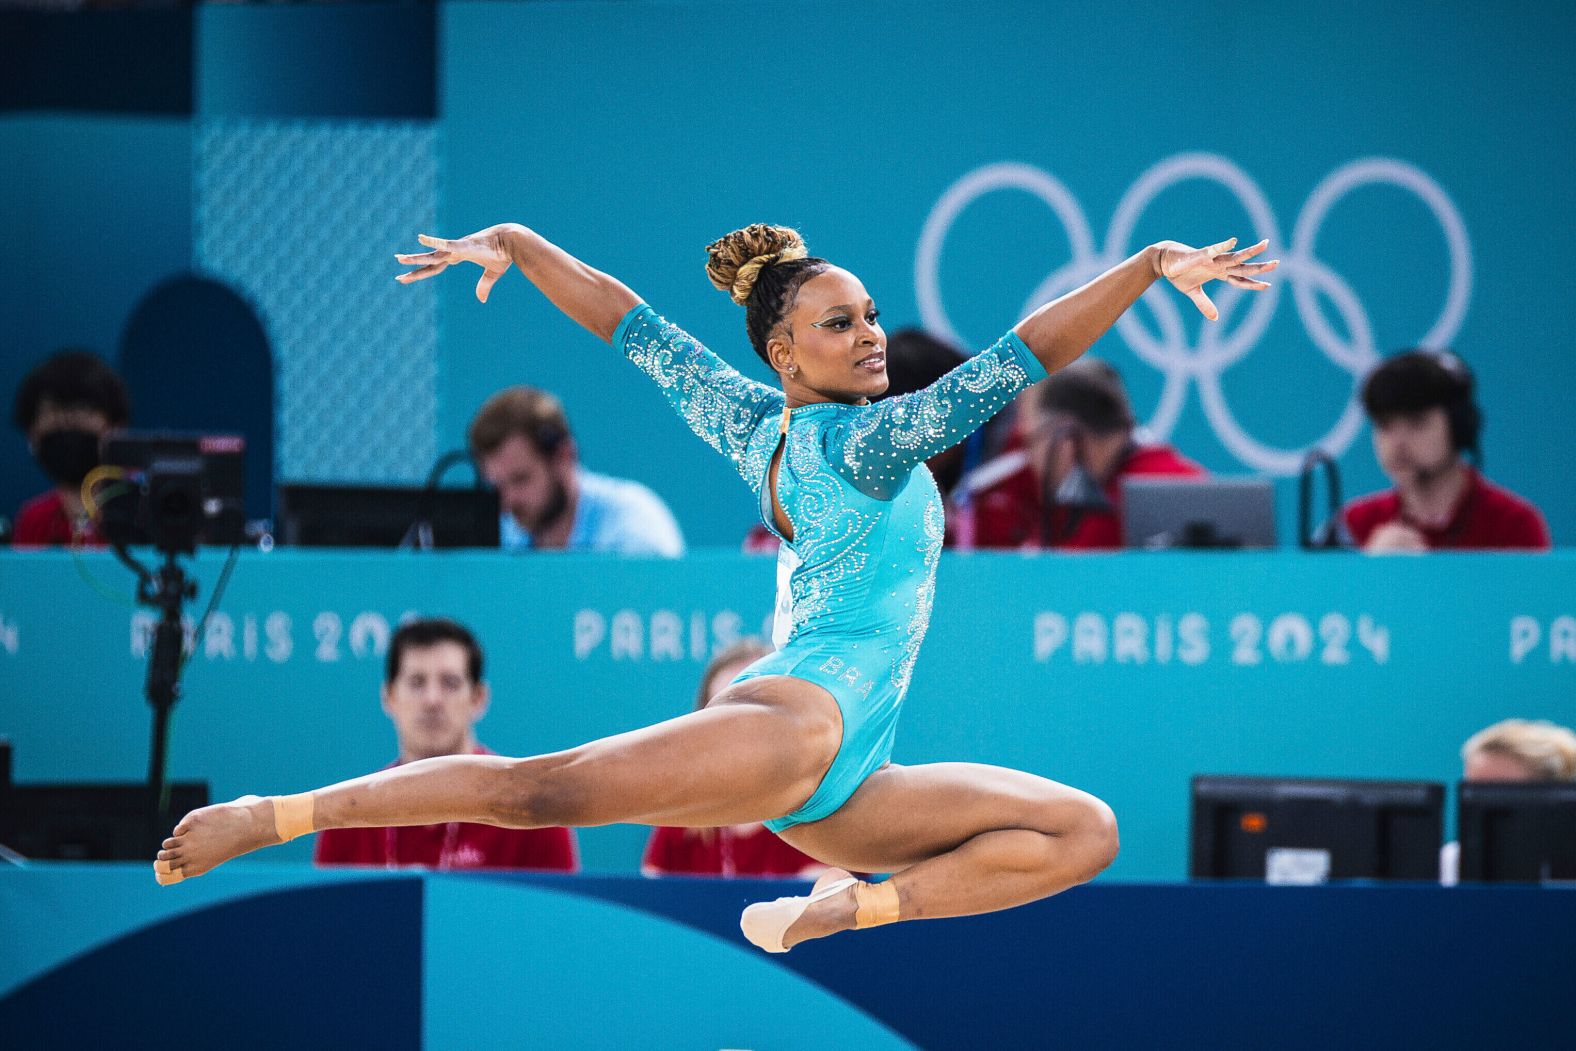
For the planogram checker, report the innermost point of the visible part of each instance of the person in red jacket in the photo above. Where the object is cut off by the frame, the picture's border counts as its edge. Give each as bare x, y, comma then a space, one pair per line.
732, 850
434, 694
64, 405
1063, 488
1425, 417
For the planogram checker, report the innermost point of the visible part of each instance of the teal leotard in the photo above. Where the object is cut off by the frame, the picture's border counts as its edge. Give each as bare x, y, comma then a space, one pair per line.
856, 583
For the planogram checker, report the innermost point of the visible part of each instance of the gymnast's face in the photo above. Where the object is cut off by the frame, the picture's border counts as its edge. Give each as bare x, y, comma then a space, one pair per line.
831, 346
434, 703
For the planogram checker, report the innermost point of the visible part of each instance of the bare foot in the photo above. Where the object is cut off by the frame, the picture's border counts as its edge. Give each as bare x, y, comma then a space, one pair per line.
210, 836
828, 916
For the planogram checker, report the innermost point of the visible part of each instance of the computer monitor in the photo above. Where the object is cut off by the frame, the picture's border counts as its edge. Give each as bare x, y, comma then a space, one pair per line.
88, 822
1521, 832
1159, 513
385, 516
1307, 830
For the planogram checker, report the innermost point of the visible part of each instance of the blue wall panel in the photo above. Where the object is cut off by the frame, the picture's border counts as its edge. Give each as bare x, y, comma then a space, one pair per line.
101, 207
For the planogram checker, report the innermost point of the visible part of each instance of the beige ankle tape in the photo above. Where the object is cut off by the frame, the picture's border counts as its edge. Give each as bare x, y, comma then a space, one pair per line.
292, 816
877, 904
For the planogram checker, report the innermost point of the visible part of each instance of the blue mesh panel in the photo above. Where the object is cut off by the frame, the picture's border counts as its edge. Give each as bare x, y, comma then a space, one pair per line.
303, 218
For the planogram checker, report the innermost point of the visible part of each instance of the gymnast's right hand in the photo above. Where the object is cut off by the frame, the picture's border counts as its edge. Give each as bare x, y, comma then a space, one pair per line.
486, 248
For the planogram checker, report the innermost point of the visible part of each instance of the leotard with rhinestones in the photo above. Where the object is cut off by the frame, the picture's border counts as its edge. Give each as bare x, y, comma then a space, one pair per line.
856, 583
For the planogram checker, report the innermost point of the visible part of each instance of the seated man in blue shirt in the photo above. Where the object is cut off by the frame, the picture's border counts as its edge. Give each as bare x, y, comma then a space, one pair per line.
521, 442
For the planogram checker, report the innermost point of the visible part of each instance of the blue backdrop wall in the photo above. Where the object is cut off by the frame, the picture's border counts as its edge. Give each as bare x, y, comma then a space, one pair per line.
968, 162
965, 164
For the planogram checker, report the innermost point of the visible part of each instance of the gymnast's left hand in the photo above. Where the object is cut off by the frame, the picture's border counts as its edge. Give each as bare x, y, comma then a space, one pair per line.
486, 248
1190, 269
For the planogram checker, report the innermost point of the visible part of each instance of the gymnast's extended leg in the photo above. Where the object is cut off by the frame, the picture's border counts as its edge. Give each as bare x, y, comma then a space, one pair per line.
960, 838
757, 751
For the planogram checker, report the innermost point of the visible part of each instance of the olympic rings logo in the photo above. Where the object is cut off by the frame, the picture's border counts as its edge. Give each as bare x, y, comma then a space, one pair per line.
1219, 346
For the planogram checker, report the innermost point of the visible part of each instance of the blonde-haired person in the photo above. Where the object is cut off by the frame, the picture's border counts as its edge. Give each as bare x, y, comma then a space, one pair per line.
1520, 750
803, 740
1512, 750
750, 849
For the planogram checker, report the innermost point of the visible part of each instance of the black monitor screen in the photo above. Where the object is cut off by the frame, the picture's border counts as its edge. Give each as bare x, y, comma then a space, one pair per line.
385, 516
1517, 832
88, 822
1300, 830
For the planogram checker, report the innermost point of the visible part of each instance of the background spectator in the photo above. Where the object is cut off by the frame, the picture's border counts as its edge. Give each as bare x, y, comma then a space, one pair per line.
1520, 750
1425, 417
1512, 750
733, 850
1063, 488
434, 694
64, 406
523, 446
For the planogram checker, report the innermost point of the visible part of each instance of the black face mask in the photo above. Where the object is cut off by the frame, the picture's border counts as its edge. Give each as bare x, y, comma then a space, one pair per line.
68, 455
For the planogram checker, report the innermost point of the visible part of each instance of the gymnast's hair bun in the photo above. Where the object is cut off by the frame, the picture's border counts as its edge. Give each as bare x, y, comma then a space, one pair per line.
734, 262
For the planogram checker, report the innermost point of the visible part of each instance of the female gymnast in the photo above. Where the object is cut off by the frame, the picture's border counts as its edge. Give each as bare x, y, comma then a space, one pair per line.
802, 739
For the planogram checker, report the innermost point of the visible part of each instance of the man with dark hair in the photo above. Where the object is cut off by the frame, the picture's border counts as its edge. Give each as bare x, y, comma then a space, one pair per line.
434, 693
64, 406
1425, 418
522, 445
1063, 488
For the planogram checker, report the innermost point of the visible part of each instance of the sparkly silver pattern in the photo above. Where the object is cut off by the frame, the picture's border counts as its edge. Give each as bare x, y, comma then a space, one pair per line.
720, 404
925, 597
914, 427
867, 521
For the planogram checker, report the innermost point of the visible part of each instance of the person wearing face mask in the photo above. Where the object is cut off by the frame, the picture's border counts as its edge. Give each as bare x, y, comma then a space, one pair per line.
64, 406
1425, 422
1063, 489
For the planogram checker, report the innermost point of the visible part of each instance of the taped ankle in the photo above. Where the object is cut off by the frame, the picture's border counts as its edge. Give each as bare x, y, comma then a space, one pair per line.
877, 904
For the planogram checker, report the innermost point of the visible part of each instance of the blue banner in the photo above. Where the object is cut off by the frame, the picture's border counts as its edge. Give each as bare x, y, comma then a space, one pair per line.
1122, 674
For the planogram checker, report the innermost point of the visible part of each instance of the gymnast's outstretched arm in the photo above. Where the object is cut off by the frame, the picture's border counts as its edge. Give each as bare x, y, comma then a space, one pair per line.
715, 400
1064, 328
595, 300
877, 449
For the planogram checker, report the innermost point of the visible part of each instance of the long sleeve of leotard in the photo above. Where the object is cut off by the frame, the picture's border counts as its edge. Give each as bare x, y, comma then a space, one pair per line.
718, 403
877, 448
